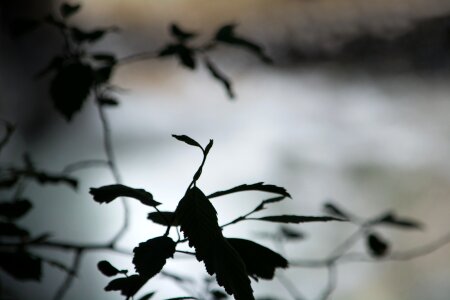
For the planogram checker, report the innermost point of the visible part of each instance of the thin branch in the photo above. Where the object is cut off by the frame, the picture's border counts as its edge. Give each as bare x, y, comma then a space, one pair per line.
331, 282
290, 287
60, 293
137, 57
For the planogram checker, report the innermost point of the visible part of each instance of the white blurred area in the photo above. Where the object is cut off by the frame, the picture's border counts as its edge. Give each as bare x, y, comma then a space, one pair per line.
370, 143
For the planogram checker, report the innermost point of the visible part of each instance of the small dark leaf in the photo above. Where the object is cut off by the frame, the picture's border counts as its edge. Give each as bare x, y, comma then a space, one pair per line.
46, 178
260, 186
219, 295
14, 209
108, 193
70, 88
150, 256
185, 55
261, 206
12, 230
21, 265
187, 140
67, 9
291, 234
208, 147
165, 218
260, 262
107, 101
107, 269
392, 220
147, 296
180, 34
333, 210
198, 222
378, 246
295, 219
169, 50
217, 74
226, 34
20, 27
8, 182
81, 36
128, 286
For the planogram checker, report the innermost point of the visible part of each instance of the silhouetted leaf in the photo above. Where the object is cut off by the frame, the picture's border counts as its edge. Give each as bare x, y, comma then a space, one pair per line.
226, 34
333, 210
81, 36
185, 54
260, 186
219, 295
165, 218
150, 256
261, 206
180, 34
128, 286
198, 222
70, 88
295, 219
107, 101
291, 234
107, 269
67, 9
187, 140
260, 262
216, 73
20, 27
392, 220
10, 229
208, 147
46, 178
147, 296
377, 245
21, 265
8, 182
14, 209
108, 193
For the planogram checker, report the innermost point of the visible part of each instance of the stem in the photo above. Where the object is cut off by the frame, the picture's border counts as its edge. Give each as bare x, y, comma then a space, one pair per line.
69, 277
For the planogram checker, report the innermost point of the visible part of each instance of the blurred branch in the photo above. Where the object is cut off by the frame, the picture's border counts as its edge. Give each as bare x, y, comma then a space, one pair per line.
70, 276
84, 164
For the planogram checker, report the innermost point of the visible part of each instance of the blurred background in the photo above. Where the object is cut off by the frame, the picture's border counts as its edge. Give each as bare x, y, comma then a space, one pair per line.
354, 110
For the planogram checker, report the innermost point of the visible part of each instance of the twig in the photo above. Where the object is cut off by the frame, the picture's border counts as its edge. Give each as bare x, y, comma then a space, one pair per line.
331, 283
84, 164
137, 57
290, 287
70, 276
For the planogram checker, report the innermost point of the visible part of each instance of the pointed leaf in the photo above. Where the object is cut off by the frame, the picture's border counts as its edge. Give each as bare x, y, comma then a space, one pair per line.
220, 76
198, 222
165, 218
260, 186
107, 269
14, 209
392, 220
260, 262
295, 219
377, 245
108, 193
21, 265
147, 296
261, 206
187, 140
181, 34
333, 210
107, 101
150, 256
67, 9
70, 88
128, 286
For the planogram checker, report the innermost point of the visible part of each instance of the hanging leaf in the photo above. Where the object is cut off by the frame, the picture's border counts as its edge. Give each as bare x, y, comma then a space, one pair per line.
70, 88
181, 34
220, 76
81, 36
128, 286
226, 34
12, 230
377, 245
333, 210
392, 220
260, 262
14, 209
187, 140
165, 218
208, 147
147, 296
108, 193
150, 256
103, 74
198, 222
295, 219
261, 206
107, 269
260, 186
67, 9
21, 265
